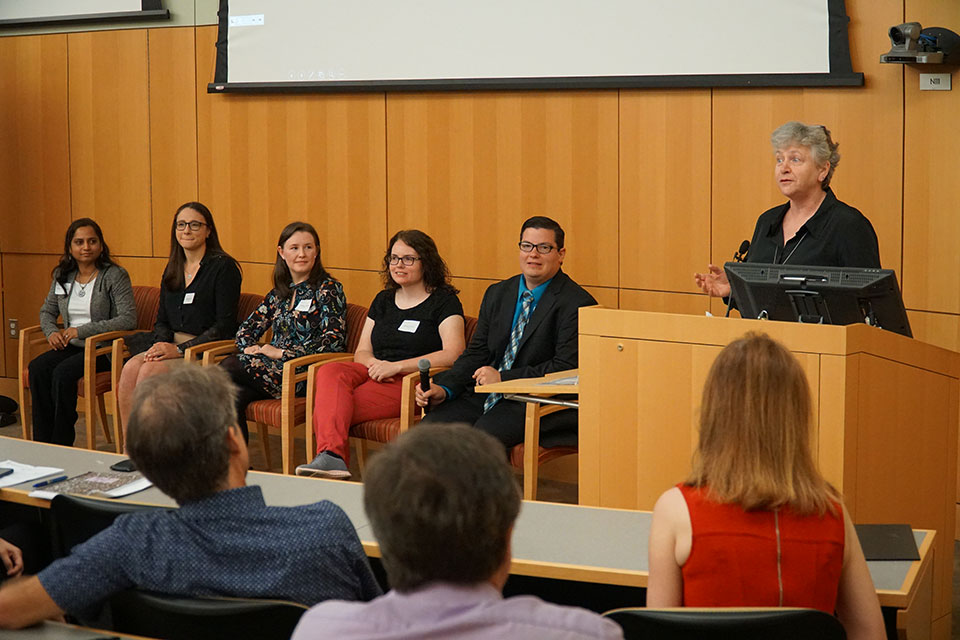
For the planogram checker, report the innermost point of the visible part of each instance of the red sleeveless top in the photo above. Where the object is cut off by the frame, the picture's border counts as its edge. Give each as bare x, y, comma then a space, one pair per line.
734, 556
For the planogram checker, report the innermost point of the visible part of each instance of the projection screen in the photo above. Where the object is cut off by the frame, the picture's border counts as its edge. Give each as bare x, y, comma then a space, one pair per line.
317, 45
32, 13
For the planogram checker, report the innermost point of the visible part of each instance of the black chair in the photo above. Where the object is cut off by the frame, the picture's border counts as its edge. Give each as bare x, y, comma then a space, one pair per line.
723, 624
77, 519
172, 618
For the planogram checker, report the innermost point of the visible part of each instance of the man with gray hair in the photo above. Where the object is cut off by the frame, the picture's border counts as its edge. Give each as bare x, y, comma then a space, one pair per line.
222, 541
442, 501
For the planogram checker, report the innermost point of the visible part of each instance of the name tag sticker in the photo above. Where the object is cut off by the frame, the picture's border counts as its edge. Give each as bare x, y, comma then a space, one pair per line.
304, 305
409, 326
58, 290
188, 297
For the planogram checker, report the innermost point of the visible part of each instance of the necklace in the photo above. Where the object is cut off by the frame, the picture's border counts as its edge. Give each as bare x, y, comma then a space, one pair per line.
83, 285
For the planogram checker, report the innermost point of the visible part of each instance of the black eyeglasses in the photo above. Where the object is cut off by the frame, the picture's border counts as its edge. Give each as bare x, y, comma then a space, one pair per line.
542, 248
193, 224
406, 260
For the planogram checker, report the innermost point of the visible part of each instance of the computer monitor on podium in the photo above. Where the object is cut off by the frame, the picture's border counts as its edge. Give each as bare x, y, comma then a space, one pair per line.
818, 295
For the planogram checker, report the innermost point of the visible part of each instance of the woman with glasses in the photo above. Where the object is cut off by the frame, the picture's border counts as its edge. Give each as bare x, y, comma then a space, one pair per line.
306, 312
417, 315
91, 294
199, 292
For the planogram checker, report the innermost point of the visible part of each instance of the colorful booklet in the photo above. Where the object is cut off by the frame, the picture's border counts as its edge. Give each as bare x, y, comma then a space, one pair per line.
97, 484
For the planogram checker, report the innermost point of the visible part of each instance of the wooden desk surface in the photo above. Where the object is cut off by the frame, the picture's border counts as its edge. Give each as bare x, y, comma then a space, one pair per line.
550, 540
533, 386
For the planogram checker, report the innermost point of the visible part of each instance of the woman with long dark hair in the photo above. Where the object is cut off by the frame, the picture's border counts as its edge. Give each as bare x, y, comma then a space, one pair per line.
198, 300
756, 524
91, 294
417, 315
306, 310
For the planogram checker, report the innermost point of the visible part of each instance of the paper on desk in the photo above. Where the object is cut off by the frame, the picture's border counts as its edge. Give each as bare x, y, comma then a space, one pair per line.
567, 380
94, 483
24, 473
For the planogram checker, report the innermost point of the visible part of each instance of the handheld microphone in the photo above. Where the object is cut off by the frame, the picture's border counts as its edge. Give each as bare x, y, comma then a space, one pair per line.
424, 367
741, 253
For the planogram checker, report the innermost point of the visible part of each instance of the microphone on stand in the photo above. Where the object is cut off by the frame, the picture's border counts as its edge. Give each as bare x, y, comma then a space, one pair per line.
741, 253
424, 367
738, 256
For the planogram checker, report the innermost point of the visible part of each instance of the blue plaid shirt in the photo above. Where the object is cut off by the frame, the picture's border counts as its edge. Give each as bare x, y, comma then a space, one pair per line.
230, 544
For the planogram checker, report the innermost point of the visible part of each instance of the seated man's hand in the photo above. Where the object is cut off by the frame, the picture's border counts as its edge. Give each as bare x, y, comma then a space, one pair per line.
12, 558
486, 375
435, 395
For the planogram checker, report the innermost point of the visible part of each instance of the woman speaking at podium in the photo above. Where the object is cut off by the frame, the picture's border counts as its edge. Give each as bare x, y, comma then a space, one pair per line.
813, 227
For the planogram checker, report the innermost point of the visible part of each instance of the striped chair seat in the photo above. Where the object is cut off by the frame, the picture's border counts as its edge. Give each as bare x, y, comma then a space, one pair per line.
383, 430
270, 412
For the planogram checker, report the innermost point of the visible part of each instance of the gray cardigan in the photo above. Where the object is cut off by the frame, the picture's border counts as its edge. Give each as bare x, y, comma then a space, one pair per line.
112, 306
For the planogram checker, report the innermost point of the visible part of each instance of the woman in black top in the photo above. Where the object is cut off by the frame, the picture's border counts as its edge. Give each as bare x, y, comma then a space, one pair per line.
417, 315
813, 227
198, 300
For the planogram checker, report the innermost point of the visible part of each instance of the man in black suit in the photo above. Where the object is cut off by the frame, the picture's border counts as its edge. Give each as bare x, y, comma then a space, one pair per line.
527, 328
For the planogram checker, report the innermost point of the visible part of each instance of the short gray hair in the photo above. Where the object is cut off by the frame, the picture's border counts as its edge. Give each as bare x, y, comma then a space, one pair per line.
815, 137
177, 430
442, 500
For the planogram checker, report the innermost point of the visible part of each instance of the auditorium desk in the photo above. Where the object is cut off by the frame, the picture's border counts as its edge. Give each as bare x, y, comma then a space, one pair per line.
552, 543
60, 631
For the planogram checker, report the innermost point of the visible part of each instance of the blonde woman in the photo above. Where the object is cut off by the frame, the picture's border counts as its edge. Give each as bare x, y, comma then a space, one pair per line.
756, 524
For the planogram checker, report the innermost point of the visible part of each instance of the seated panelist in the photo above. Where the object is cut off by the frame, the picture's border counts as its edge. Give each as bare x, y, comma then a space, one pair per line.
91, 294
755, 524
306, 310
222, 541
813, 227
527, 327
198, 300
417, 315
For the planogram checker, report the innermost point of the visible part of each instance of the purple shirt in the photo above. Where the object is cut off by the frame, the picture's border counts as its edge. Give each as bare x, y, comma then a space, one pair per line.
442, 610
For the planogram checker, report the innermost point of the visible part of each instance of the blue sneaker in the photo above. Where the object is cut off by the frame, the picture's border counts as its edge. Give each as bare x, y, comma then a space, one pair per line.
325, 465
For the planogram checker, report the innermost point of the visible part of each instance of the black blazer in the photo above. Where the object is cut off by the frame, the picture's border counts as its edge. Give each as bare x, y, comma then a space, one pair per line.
549, 342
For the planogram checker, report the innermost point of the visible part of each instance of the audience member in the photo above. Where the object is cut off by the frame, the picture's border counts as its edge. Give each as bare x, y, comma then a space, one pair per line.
91, 294
199, 291
222, 541
756, 524
528, 327
306, 310
442, 502
417, 315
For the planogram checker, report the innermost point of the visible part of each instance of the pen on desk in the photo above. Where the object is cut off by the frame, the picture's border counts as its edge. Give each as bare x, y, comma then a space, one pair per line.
50, 481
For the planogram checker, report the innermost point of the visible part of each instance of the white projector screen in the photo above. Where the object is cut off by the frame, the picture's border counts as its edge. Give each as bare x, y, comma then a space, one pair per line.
32, 13
265, 45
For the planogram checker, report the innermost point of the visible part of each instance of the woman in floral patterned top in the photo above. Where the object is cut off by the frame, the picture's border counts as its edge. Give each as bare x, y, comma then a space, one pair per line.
306, 310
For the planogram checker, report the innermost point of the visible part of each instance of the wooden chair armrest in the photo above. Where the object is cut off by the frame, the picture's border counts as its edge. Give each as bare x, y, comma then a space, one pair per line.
196, 352
32, 343
107, 337
214, 351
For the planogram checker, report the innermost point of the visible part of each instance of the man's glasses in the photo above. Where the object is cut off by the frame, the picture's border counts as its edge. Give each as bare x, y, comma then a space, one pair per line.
193, 224
542, 248
406, 260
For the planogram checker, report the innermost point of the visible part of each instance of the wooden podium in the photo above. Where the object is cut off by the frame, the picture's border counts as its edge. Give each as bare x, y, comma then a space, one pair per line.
885, 414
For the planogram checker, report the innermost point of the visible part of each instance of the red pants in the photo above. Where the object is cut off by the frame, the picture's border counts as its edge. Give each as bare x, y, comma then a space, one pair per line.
345, 395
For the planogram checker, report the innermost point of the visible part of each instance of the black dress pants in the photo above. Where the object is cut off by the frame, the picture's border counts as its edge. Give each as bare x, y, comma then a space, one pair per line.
505, 421
53, 391
248, 390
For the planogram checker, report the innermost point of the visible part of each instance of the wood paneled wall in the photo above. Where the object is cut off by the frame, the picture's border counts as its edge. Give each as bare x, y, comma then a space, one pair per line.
650, 185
